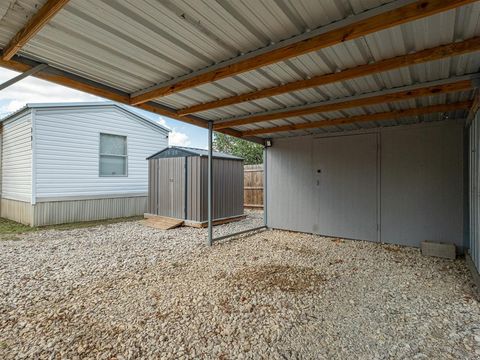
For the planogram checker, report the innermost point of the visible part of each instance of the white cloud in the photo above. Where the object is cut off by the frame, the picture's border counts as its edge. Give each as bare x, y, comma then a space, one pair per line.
178, 138
11, 106
163, 122
32, 90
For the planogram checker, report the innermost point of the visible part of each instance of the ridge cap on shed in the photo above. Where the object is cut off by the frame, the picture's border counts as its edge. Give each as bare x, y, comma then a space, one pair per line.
191, 151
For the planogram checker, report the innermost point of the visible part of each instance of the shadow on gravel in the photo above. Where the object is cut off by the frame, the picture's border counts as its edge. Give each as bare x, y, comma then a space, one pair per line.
277, 277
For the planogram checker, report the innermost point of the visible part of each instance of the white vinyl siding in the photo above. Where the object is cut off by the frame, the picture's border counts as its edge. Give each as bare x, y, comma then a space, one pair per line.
68, 152
17, 158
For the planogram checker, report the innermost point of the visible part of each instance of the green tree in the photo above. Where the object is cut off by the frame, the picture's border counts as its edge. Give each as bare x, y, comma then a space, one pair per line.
251, 152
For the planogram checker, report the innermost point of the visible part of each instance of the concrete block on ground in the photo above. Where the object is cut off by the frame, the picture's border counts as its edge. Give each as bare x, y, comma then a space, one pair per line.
431, 248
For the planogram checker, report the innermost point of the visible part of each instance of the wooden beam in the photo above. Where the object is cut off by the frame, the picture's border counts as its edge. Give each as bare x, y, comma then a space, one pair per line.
33, 26
473, 109
73, 81
63, 78
363, 118
364, 26
436, 53
158, 109
350, 103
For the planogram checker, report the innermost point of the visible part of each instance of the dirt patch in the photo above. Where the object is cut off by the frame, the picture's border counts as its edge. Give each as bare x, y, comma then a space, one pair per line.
277, 277
307, 251
392, 248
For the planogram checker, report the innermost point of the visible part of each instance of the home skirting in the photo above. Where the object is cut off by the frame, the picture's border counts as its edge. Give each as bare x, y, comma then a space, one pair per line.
61, 212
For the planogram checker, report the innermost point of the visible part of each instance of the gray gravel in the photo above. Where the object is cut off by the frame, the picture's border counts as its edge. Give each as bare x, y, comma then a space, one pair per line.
128, 291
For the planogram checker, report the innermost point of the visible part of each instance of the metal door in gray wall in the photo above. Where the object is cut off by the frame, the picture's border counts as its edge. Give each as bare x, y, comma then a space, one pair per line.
171, 187
345, 169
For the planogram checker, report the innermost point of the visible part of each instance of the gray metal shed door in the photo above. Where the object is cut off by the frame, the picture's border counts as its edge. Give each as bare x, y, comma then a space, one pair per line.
345, 170
171, 187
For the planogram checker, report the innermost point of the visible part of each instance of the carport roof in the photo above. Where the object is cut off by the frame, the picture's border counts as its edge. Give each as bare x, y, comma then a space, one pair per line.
257, 69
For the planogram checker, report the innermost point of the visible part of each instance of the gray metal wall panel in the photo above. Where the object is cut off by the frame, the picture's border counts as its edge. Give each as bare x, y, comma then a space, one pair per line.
422, 185
203, 189
168, 187
152, 196
474, 194
193, 188
290, 183
1, 164
436, 147
346, 188
227, 188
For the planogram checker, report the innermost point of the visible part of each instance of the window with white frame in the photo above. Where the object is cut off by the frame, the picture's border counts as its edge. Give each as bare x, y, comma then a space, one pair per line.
113, 155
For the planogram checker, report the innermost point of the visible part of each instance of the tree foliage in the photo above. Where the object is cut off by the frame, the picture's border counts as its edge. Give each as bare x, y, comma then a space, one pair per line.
251, 152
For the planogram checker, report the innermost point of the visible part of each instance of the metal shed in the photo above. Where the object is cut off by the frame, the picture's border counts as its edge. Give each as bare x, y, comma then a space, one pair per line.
177, 185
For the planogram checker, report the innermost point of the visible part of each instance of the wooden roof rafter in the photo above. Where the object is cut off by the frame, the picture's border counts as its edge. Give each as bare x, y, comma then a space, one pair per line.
352, 27
404, 93
32, 27
474, 108
432, 54
76, 82
363, 26
389, 115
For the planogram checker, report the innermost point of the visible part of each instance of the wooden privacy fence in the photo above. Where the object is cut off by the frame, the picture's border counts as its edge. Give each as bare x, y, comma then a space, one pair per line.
253, 186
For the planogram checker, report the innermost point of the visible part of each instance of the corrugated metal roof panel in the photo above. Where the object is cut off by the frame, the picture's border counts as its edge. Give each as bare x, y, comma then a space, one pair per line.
372, 109
184, 36
14, 15
414, 36
131, 45
435, 70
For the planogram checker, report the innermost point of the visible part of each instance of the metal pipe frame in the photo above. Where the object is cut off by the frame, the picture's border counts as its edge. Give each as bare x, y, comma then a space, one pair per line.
239, 233
22, 76
211, 240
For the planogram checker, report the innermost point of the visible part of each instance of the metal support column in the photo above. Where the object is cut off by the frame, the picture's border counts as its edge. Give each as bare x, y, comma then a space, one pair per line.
210, 183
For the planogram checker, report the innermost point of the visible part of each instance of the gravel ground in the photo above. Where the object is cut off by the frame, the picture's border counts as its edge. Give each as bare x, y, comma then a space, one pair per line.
128, 291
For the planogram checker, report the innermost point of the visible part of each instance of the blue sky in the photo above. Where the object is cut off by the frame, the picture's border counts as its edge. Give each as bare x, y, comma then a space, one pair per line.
32, 90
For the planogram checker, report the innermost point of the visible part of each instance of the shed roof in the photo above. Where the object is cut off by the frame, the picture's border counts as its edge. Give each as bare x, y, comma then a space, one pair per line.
127, 50
181, 151
69, 105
